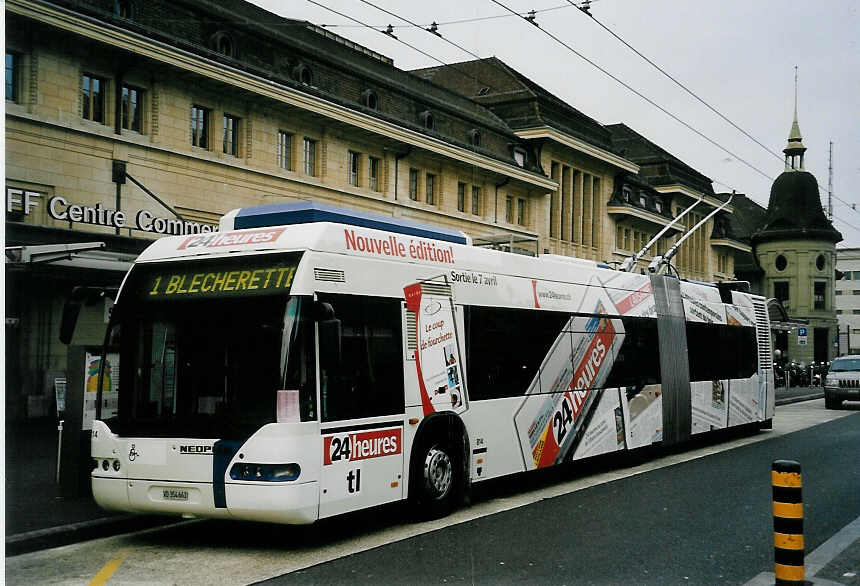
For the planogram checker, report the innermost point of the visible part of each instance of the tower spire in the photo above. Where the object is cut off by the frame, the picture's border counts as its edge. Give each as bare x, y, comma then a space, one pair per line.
794, 149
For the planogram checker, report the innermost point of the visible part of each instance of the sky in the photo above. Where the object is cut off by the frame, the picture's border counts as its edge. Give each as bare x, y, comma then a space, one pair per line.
739, 56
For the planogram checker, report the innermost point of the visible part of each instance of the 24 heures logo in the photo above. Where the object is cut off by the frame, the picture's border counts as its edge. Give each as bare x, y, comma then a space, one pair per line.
361, 445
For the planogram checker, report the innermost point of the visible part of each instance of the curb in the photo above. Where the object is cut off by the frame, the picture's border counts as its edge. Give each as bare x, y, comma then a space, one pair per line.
790, 400
83, 531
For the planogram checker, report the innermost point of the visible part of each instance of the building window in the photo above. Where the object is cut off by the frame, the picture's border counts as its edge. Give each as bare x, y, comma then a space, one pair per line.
839, 312
353, 161
820, 262
625, 192
619, 237
520, 157
123, 9
856, 275
200, 127
93, 98
855, 311
222, 43
509, 209
461, 196
303, 74
855, 291
310, 157
413, 184
819, 295
475, 137
723, 263
231, 135
658, 205
781, 263
521, 212
627, 239
132, 108
374, 173
476, 200
427, 120
370, 99
285, 150
838, 292
430, 194
13, 91
780, 292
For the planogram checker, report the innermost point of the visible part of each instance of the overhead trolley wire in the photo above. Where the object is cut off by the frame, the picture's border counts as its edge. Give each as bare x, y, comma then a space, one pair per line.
689, 91
634, 90
388, 33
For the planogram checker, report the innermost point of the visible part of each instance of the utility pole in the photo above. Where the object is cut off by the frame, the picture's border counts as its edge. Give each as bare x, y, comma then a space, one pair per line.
830, 185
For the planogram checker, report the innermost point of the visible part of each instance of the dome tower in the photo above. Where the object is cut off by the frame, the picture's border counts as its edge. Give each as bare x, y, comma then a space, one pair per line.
796, 248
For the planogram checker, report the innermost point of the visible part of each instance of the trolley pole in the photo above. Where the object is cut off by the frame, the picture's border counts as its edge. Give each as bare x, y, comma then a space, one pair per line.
788, 548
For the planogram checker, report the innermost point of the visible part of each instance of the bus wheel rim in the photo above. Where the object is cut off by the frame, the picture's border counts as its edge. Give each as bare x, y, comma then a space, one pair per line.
438, 473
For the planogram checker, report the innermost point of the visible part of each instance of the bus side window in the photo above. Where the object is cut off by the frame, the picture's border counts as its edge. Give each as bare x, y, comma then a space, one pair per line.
638, 360
506, 348
719, 352
368, 379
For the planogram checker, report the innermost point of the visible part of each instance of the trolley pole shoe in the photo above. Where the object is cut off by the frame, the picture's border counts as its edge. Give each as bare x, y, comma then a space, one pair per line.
788, 549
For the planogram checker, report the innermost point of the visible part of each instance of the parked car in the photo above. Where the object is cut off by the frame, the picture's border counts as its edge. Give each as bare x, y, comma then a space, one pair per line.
842, 381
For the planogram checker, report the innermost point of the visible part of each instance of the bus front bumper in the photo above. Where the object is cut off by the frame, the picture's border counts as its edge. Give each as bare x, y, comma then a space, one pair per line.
289, 503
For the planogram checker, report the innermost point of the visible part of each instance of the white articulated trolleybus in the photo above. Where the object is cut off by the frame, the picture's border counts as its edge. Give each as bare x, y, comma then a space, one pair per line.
306, 361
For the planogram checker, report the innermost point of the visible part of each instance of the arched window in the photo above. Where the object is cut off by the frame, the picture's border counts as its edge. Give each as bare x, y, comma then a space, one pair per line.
123, 9
303, 74
427, 120
475, 137
222, 43
370, 99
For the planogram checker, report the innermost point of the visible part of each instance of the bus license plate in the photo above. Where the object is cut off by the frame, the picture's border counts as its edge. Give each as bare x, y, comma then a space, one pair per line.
175, 494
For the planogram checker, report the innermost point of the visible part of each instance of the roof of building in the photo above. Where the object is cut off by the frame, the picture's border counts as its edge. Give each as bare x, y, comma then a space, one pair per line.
657, 166
518, 100
794, 211
271, 47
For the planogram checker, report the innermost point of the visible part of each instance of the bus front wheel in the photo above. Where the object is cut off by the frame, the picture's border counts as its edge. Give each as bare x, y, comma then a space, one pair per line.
436, 477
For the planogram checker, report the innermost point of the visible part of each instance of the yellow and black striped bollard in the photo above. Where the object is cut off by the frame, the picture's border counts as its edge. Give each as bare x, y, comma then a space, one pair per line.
787, 522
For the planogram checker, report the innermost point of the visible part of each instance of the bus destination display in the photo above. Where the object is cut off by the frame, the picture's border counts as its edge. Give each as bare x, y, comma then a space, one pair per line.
193, 282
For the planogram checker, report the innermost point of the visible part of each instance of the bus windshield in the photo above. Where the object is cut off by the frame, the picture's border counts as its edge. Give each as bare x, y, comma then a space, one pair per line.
206, 345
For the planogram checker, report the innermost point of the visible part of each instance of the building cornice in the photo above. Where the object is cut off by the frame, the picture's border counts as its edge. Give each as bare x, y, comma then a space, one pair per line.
728, 243
640, 214
407, 210
684, 190
122, 39
578, 145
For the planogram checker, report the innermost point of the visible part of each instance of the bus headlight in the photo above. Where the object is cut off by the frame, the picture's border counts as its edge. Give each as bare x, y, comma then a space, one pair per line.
265, 472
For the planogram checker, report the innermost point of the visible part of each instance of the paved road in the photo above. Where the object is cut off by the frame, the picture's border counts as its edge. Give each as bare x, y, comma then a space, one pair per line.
702, 513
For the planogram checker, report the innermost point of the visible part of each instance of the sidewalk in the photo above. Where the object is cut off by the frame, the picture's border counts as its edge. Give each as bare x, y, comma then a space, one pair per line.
797, 394
37, 517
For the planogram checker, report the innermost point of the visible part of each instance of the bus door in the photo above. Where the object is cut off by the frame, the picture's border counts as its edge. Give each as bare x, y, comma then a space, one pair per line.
437, 357
361, 404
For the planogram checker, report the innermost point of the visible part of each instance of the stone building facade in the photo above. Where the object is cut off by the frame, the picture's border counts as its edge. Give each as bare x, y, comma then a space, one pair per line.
127, 120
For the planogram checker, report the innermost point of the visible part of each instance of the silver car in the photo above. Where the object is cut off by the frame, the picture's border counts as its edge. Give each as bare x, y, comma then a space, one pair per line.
842, 381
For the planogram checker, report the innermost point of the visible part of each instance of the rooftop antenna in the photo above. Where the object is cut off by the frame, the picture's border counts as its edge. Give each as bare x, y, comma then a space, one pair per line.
630, 263
666, 259
830, 185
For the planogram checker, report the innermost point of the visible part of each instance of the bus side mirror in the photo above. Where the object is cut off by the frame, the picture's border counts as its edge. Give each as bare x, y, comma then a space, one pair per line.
71, 310
79, 297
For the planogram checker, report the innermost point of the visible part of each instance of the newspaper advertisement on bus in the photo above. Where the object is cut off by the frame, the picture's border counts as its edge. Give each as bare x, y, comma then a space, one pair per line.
437, 358
561, 400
